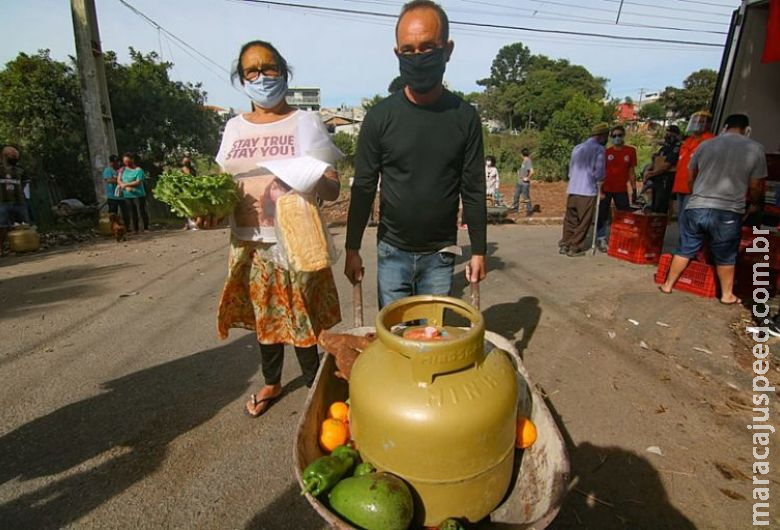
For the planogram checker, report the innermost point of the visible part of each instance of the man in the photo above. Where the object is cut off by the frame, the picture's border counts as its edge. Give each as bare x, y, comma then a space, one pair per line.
620, 173
110, 179
13, 208
721, 172
698, 131
523, 186
586, 172
663, 172
427, 144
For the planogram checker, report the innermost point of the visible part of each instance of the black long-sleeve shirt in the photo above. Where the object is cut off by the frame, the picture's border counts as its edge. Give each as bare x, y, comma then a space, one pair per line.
429, 157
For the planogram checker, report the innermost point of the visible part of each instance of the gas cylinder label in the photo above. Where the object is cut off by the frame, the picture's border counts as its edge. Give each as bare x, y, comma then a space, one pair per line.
471, 391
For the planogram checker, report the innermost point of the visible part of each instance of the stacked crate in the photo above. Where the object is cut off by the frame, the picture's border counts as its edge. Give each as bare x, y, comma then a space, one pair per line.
637, 237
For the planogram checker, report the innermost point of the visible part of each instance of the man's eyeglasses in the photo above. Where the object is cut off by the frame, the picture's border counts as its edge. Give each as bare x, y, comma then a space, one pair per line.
617, 136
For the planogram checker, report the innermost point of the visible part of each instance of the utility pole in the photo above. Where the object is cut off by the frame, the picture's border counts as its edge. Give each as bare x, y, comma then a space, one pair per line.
94, 92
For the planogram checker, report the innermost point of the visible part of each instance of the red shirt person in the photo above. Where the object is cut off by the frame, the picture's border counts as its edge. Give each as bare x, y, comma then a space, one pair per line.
619, 174
698, 132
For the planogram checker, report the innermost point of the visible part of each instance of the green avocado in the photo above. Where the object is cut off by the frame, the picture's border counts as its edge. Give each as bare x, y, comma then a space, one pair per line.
377, 501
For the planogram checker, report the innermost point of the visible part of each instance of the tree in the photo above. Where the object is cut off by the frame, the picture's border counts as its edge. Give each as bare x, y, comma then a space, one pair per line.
368, 104
40, 111
654, 111
568, 127
696, 94
509, 66
346, 144
156, 117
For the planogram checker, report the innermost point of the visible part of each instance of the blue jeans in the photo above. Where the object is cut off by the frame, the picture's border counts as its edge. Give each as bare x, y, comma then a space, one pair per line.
523, 188
401, 274
621, 203
723, 228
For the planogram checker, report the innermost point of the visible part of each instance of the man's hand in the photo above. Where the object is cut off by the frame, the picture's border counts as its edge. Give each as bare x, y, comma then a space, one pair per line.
353, 266
476, 270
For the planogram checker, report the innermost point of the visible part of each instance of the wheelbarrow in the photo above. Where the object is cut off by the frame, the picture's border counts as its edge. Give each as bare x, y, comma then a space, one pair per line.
541, 477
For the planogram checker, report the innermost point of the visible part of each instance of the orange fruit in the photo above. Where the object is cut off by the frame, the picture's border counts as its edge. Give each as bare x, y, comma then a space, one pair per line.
526, 433
333, 433
339, 411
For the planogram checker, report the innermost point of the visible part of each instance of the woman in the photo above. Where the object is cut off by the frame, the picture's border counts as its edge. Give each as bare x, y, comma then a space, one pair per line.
492, 179
131, 180
280, 305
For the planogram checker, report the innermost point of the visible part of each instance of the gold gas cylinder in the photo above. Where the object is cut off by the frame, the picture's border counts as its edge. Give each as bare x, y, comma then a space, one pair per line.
24, 239
440, 414
104, 225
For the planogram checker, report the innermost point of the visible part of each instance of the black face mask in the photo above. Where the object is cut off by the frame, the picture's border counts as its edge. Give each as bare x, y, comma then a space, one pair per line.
422, 72
13, 161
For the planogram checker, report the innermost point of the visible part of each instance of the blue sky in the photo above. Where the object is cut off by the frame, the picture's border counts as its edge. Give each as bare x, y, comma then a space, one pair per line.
351, 56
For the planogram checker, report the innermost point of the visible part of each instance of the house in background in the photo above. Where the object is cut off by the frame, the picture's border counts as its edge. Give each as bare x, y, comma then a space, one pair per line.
338, 123
626, 112
304, 98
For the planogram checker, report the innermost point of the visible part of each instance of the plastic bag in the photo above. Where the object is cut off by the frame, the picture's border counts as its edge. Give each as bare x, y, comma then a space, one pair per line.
301, 174
303, 241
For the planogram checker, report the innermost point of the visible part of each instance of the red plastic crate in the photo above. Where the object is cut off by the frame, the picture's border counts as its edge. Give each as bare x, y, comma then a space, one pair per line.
629, 246
697, 278
639, 223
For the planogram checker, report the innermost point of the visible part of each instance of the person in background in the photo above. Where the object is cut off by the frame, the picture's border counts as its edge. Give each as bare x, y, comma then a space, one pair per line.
492, 179
116, 201
189, 169
663, 172
698, 131
722, 170
281, 306
586, 172
523, 187
13, 209
131, 182
427, 144
620, 174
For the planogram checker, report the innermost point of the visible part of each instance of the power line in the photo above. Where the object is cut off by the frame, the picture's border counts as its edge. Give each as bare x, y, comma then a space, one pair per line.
177, 39
485, 25
610, 11
578, 18
676, 9
732, 6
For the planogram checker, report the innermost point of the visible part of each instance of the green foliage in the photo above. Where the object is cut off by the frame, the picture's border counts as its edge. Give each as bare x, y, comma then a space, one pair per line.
568, 127
696, 94
525, 90
368, 104
155, 116
510, 66
40, 111
653, 111
347, 144
507, 150
191, 196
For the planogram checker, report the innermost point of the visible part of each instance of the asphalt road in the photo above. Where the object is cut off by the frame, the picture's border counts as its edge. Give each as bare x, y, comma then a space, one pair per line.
120, 408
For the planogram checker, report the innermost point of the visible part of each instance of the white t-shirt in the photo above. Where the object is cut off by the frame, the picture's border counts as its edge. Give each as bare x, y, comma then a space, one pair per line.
245, 145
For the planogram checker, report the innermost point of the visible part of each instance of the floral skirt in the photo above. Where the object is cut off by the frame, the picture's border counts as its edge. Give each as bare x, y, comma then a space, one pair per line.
281, 306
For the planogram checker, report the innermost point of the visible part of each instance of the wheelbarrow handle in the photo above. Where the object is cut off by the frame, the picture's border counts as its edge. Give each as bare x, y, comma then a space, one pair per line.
474, 294
357, 304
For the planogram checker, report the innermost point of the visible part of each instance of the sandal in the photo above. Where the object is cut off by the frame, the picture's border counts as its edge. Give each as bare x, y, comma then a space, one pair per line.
733, 302
661, 288
254, 402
